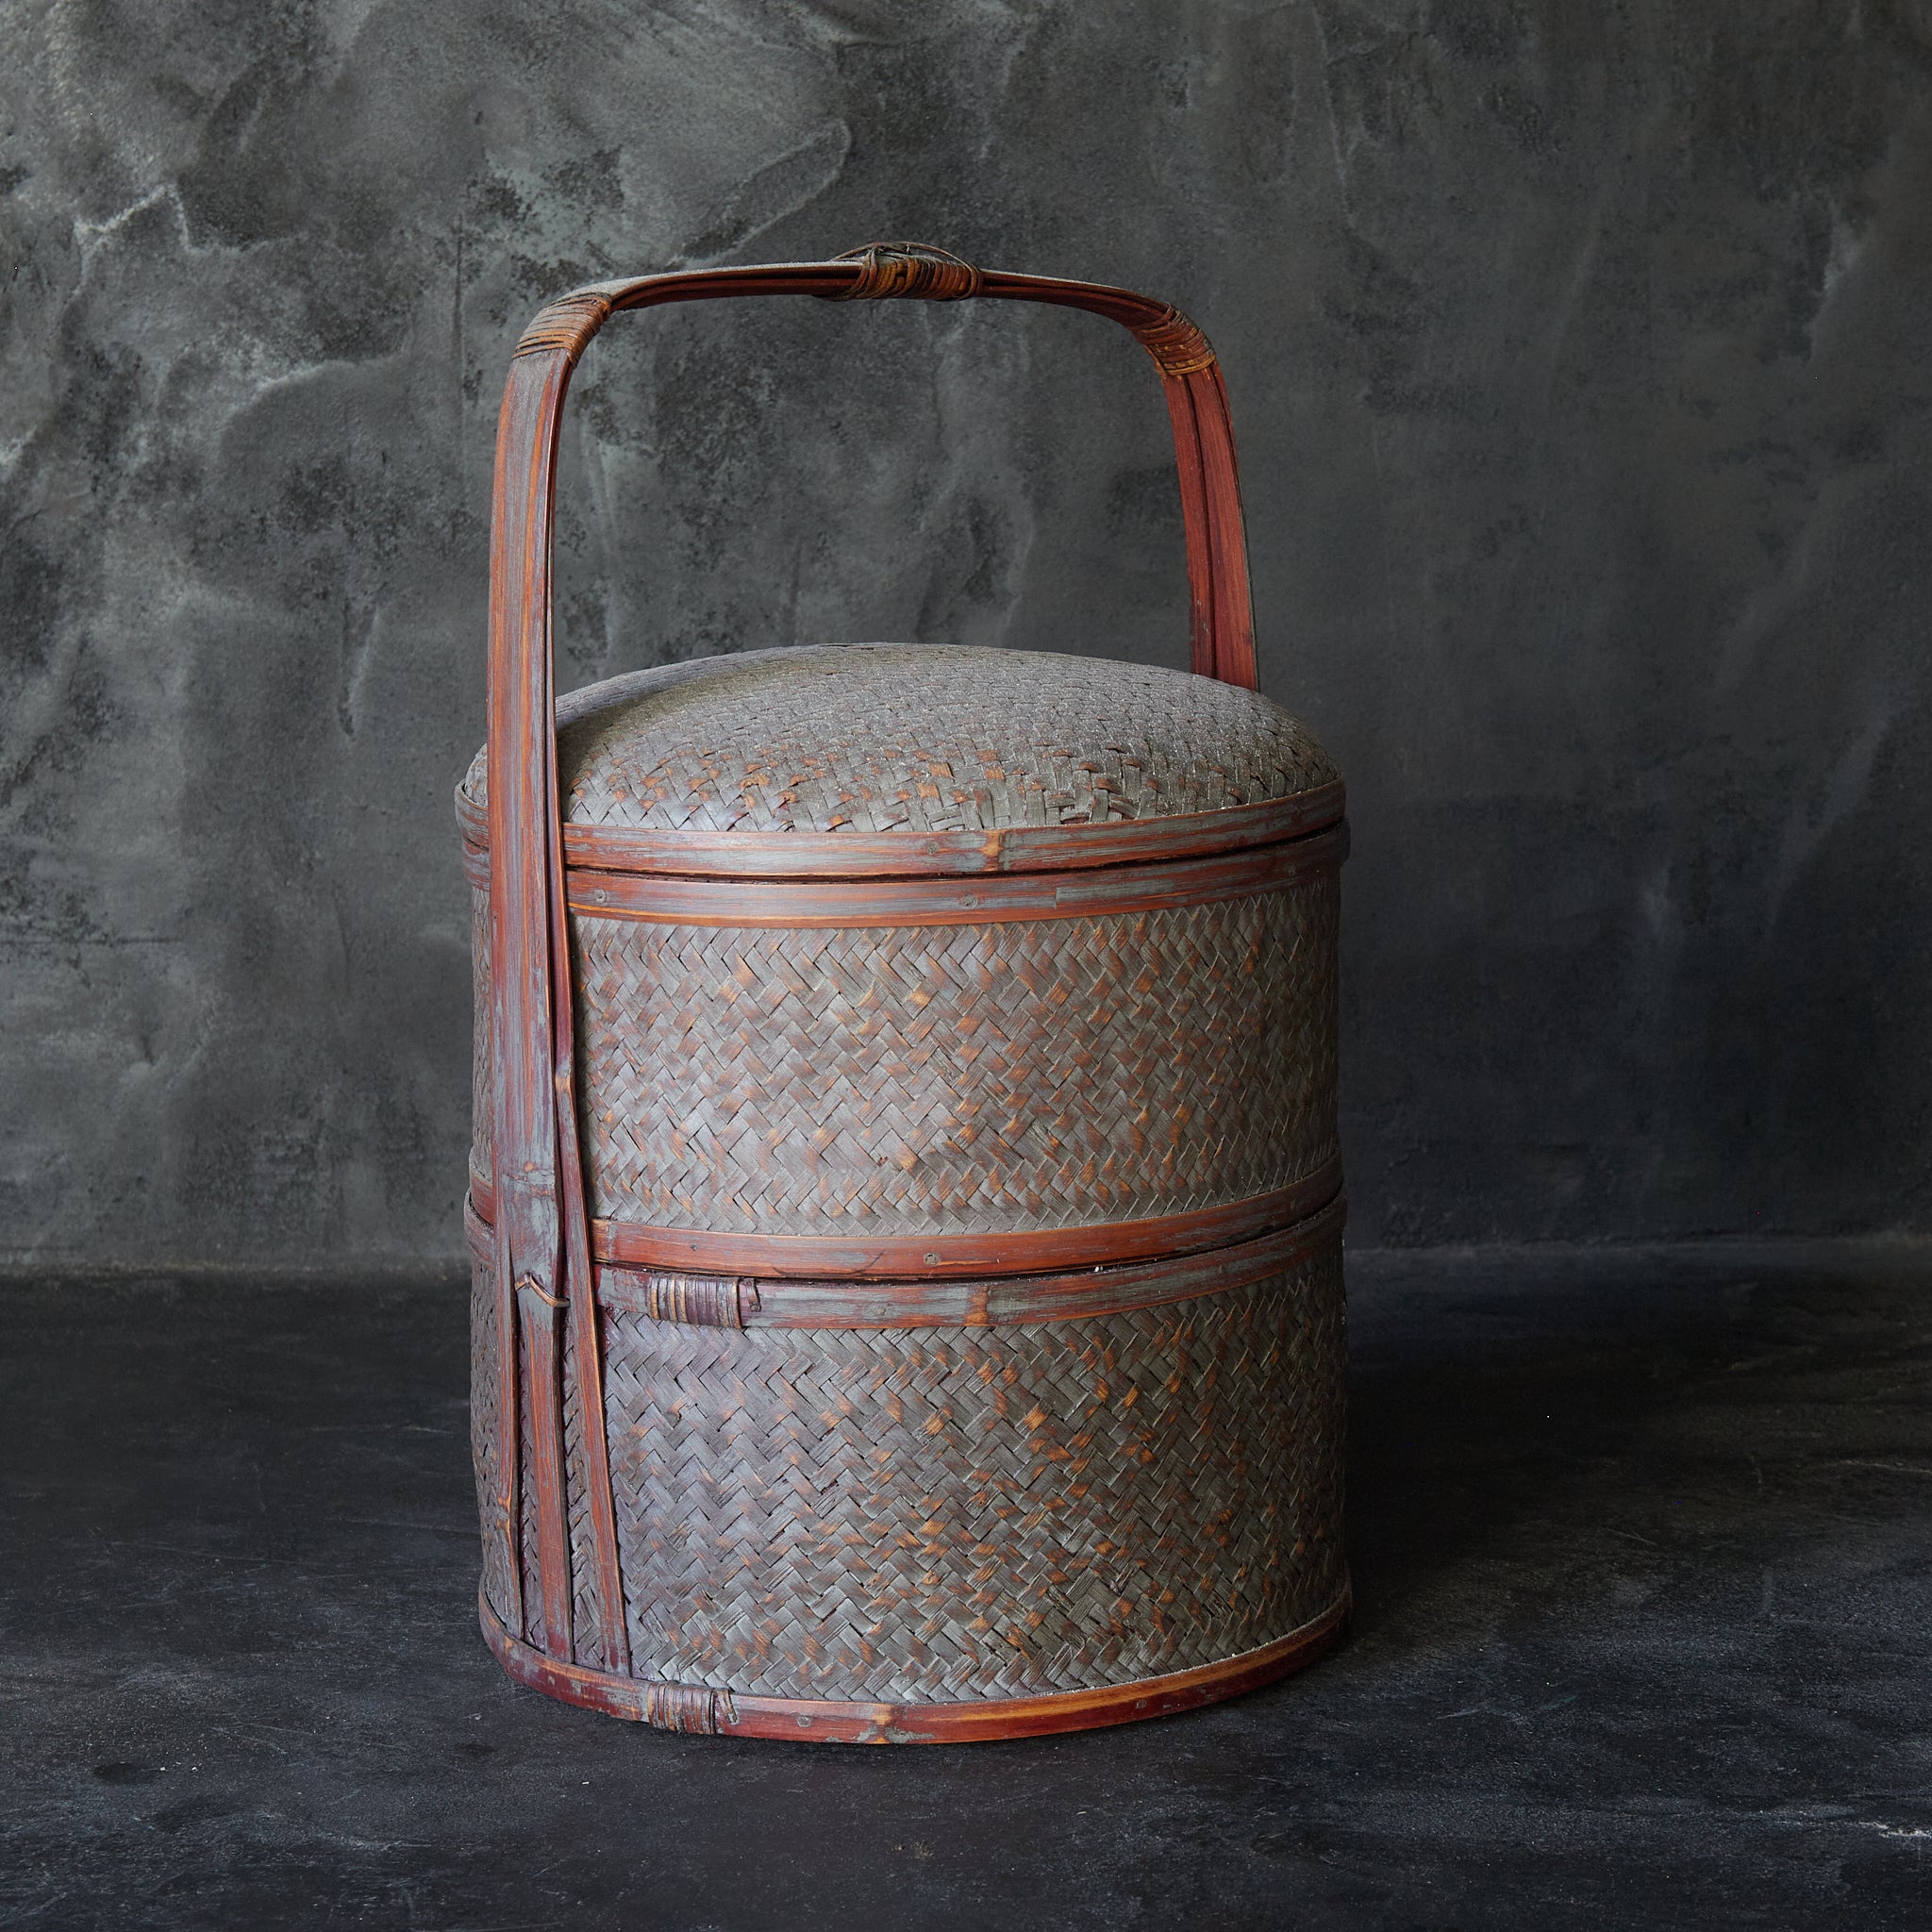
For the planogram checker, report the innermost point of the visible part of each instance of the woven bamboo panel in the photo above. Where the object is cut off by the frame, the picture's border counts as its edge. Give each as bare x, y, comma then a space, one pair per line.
954, 1079
479, 1032
941, 1514
586, 1628
585, 1620
919, 738
585, 1625
484, 1412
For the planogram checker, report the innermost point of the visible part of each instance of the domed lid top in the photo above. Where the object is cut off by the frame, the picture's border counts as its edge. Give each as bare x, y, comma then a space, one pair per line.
847, 740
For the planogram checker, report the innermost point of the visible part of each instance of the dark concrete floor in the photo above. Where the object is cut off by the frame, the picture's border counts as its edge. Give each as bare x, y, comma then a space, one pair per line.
1641, 1550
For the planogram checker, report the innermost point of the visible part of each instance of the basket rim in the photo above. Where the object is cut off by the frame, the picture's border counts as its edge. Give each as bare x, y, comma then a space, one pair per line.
930, 854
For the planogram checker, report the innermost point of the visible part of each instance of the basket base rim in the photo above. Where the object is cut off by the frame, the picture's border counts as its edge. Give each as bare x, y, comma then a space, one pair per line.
734, 1714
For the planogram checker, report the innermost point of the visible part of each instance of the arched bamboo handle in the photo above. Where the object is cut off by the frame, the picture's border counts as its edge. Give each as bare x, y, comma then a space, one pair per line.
542, 1235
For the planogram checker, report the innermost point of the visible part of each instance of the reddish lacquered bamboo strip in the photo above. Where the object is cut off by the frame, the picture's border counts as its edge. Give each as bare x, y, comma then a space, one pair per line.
913, 855
704, 1250
985, 1301
845, 904
728, 1713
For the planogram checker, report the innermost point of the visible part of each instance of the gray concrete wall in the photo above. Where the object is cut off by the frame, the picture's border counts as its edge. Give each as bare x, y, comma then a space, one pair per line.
1580, 357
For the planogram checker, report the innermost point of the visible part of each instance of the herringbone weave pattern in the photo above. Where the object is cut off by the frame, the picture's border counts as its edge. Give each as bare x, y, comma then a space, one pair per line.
586, 1626
480, 1137
586, 1618
965, 1078
484, 1398
917, 737
938, 1514
532, 1579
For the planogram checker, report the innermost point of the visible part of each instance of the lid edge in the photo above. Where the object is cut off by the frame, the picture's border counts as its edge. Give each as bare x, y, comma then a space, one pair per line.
928, 855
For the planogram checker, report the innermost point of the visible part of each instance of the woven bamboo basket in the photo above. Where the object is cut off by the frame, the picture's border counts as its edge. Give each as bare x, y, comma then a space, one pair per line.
905, 1203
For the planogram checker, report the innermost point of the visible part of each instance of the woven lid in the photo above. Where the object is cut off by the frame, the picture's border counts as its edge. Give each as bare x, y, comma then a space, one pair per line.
941, 748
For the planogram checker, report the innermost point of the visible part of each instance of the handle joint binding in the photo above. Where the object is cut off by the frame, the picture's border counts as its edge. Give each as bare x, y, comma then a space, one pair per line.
567, 324
1176, 342
913, 269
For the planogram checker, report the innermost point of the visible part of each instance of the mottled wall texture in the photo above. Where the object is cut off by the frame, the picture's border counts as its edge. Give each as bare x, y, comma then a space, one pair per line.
1582, 355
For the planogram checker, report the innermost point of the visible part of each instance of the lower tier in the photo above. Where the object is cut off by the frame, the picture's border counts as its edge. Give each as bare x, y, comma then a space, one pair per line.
1122, 1497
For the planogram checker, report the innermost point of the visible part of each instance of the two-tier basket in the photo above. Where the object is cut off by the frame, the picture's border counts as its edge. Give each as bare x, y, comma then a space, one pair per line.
904, 1202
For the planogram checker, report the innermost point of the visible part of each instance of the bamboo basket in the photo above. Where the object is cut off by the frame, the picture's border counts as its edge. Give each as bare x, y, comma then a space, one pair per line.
904, 1200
